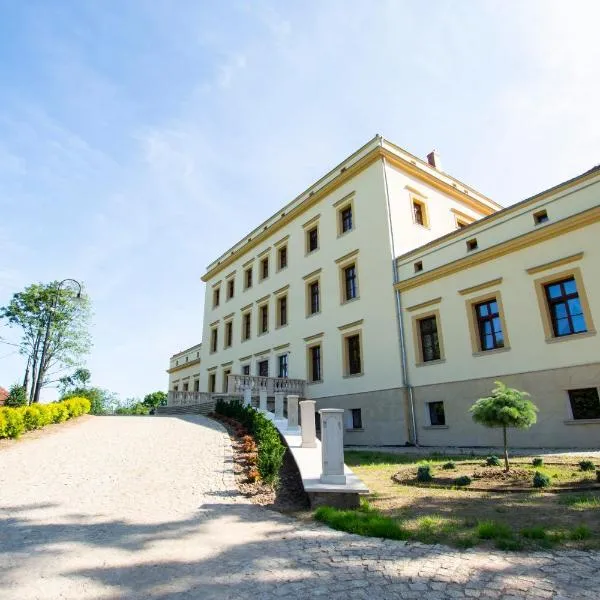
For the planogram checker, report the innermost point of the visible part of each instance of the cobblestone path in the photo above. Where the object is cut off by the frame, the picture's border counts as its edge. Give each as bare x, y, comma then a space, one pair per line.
146, 508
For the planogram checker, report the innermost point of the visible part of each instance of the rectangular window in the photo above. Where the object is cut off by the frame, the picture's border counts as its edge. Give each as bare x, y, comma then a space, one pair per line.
282, 258
282, 313
437, 416
216, 297
315, 372
264, 268
346, 219
314, 298
419, 212
246, 326
430, 344
248, 278
353, 418
230, 288
312, 242
196, 385
489, 325
228, 334
585, 403
354, 366
226, 374
245, 369
214, 339
540, 217
566, 312
282, 361
212, 382
186, 387
350, 283
263, 368
263, 317
175, 388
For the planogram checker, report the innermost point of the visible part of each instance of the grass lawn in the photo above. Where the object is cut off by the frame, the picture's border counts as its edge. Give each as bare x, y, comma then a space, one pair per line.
459, 517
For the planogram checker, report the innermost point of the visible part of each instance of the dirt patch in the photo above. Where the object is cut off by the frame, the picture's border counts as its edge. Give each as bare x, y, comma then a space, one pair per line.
52, 429
563, 476
289, 495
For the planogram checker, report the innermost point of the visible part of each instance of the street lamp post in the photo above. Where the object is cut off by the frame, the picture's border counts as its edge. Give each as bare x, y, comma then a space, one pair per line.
38, 386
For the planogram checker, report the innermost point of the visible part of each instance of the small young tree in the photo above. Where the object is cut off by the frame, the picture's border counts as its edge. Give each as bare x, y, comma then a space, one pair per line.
506, 407
155, 399
17, 396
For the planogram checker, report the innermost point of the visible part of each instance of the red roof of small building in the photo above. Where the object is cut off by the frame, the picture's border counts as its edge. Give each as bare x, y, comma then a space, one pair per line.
3, 395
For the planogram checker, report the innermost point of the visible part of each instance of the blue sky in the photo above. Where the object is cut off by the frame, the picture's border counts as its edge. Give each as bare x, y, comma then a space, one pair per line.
140, 139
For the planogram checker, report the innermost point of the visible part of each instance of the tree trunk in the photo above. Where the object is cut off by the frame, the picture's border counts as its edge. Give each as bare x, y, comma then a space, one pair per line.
26, 378
506, 466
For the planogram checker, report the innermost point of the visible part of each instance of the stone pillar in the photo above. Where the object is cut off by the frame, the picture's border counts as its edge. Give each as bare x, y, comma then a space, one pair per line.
279, 406
248, 396
309, 434
332, 442
262, 400
292, 406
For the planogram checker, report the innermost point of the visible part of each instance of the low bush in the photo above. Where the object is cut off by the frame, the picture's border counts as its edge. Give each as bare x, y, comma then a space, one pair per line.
492, 461
581, 532
463, 481
270, 449
424, 473
449, 465
586, 465
537, 462
15, 421
492, 530
540, 480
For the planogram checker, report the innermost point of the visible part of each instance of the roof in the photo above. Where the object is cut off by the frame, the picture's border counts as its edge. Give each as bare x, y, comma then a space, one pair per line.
3, 395
375, 149
190, 349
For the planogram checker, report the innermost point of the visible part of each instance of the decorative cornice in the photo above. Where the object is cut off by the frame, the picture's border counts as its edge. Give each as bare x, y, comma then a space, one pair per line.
346, 257
285, 288
555, 263
345, 199
191, 363
262, 300
423, 304
480, 286
313, 274
315, 336
282, 346
311, 221
281, 241
414, 190
351, 325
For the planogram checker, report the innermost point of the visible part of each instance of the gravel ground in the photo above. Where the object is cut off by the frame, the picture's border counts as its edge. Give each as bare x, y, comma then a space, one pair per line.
146, 508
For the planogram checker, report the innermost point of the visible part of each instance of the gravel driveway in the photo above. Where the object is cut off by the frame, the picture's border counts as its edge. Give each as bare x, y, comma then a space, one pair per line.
146, 508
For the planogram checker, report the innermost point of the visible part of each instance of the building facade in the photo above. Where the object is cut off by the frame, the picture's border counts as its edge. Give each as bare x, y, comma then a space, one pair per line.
184, 370
400, 294
514, 297
309, 293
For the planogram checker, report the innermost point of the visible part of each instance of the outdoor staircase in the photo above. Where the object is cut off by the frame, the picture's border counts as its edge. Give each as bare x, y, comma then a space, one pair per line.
190, 409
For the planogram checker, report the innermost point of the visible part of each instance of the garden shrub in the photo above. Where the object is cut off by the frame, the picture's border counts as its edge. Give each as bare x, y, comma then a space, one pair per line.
598, 475
581, 532
492, 461
13, 422
269, 445
537, 462
492, 530
424, 473
540, 480
586, 465
449, 465
462, 481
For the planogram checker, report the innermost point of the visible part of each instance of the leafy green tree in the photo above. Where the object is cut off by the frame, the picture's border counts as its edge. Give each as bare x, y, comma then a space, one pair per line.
102, 401
54, 331
17, 396
505, 408
80, 378
155, 399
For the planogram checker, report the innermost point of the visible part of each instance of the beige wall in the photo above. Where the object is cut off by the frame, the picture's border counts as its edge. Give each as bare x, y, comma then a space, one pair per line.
184, 367
555, 427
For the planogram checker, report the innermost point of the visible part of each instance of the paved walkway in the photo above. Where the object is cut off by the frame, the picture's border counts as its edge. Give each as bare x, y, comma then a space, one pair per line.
146, 508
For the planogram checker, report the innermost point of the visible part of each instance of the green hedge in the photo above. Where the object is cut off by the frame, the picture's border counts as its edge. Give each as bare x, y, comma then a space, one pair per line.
15, 421
270, 448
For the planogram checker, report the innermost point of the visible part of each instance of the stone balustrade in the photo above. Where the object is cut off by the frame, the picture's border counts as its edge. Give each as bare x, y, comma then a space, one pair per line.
236, 384
187, 398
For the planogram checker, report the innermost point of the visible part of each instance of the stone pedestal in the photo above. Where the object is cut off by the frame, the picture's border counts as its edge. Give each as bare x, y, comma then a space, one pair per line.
292, 412
309, 434
262, 400
248, 396
332, 442
279, 406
